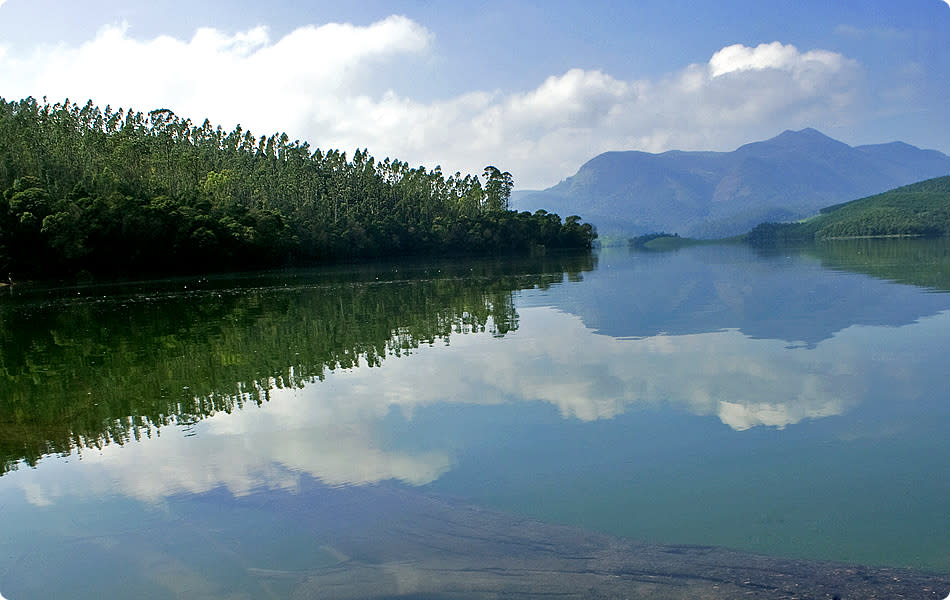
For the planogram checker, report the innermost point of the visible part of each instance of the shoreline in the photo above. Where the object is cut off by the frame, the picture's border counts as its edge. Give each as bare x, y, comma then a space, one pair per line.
890, 236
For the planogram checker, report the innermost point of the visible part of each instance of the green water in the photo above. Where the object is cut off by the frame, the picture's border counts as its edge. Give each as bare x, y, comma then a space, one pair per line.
217, 437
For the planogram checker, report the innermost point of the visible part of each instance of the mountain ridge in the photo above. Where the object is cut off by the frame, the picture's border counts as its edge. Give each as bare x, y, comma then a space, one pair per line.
716, 194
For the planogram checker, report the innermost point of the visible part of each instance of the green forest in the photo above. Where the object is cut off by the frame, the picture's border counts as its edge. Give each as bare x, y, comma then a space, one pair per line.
104, 191
917, 210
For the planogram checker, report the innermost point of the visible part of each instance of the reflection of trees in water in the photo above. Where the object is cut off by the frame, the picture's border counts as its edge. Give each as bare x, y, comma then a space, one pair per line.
924, 262
920, 262
83, 374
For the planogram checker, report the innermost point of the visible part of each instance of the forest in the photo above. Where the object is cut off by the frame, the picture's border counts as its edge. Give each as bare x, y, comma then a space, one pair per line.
104, 191
920, 209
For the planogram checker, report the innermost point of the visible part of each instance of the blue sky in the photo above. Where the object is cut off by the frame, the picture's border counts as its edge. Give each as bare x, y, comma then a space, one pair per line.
536, 88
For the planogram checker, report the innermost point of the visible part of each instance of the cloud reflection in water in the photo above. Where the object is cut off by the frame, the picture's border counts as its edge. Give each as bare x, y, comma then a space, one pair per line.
335, 430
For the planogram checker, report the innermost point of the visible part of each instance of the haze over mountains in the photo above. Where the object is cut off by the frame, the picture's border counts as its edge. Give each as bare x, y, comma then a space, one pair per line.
718, 194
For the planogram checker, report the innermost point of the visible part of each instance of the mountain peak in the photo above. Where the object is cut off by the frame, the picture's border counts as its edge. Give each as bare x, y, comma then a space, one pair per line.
713, 194
808, 131
809, 135
802, 140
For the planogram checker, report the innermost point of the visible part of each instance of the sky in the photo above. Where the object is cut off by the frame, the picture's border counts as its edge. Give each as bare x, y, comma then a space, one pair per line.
535, 88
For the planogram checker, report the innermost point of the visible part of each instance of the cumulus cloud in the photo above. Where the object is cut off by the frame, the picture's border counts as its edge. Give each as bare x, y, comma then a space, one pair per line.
235, 78
320, 84
771, 56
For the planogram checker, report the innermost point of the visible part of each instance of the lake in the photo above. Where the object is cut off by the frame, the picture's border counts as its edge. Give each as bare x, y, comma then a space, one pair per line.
594, 426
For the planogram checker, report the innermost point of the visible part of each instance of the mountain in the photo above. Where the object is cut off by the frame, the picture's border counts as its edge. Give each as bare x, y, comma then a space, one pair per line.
717, 194
919, 209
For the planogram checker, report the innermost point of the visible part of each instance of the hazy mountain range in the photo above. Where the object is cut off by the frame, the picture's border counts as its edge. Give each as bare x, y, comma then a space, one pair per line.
717, 194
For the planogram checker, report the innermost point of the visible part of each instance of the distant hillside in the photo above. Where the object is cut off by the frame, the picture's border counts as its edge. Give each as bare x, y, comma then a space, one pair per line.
718, 194
919, 209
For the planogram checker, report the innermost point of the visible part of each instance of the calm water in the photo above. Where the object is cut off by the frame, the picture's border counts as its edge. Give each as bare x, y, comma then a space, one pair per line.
223, 437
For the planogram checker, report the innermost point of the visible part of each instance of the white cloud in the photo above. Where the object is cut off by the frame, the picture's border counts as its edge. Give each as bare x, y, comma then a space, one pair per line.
770, 56
320, 84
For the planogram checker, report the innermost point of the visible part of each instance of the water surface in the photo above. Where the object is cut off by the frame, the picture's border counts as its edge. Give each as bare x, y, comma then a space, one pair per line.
232, 436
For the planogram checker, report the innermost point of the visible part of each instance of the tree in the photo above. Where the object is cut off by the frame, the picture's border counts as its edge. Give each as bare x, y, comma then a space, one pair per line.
498, 188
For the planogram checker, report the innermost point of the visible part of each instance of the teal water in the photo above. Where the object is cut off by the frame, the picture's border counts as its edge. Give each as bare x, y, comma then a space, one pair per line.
208, 437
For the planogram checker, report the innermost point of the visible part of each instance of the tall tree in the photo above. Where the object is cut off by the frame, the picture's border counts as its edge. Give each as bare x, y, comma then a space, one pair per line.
498, 188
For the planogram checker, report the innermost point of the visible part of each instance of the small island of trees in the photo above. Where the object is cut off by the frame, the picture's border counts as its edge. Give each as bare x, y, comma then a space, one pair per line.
119, 191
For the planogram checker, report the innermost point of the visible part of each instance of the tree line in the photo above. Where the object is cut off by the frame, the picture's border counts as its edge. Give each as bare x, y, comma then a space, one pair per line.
118, 191
920, 209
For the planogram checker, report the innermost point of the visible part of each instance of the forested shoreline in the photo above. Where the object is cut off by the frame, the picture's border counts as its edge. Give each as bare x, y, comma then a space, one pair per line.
920, 209
104, 191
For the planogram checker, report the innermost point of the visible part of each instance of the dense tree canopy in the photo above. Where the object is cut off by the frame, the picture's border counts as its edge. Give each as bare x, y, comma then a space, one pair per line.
111, 191
918, 210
